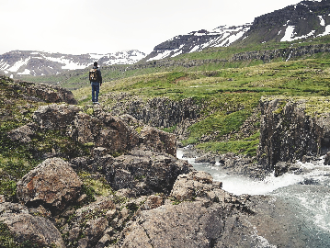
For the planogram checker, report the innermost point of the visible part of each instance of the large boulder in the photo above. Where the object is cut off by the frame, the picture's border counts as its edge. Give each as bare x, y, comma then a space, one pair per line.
159, 141
103, 130
55, 117
190, 224
53, 183
33, 230
145, 172
27, 229
197, 184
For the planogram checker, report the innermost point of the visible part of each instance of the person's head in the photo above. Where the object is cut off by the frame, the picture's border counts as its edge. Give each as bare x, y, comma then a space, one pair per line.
95, 64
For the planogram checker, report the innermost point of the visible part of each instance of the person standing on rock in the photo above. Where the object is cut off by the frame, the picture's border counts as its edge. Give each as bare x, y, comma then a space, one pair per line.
95, 79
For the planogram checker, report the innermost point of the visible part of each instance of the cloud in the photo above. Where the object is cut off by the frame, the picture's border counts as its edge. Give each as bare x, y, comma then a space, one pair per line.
72, 26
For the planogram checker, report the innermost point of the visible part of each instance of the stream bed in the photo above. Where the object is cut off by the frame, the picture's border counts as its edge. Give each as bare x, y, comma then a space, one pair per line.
306, 191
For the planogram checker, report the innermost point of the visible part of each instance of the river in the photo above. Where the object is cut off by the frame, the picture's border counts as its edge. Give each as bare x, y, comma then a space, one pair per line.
307, 192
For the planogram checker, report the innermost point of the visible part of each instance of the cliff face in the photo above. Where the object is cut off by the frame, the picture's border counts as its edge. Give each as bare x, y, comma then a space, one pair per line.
292, 130
160, 112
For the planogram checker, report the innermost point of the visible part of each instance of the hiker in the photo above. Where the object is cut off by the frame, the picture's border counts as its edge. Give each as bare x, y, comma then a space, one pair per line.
95, 79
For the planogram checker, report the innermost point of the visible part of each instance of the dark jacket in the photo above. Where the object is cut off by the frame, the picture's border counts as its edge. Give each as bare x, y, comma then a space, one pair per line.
99, 76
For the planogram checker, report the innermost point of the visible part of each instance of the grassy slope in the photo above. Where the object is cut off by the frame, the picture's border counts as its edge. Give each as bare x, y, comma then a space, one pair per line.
230, 95
229, 91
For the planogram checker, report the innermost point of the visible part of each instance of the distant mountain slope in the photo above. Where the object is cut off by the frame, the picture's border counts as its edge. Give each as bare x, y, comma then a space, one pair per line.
197, 41
303, 20
38, 63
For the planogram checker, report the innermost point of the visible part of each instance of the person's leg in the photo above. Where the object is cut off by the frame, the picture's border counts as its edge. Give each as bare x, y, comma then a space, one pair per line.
93, 99
97, 89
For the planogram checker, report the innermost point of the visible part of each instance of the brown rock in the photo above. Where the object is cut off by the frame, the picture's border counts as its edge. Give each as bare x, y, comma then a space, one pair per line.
197, 185
55, 117
35, 229
53, 183
153, 172
159, 140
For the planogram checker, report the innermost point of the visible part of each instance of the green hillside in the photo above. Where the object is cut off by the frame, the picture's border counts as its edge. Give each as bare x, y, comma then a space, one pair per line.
229, 95
226, 85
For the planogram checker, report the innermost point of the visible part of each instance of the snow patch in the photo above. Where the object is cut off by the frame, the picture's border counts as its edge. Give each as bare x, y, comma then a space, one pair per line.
289, 34
326, 32
322, 22
18, 64
25, 72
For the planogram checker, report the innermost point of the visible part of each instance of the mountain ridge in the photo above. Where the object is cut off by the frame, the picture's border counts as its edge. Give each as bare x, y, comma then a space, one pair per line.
38, 63
304, 20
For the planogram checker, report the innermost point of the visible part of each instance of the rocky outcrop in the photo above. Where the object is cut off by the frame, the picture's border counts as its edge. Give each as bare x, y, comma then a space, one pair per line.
159, 141
290, 130
44, 93
157, 112
27, 229
286, 54
230, 222
197, 184
53, 184
55, 117
145, 172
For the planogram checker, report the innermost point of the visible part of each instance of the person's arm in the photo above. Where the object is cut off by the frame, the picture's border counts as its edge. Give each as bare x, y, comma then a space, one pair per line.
100, 77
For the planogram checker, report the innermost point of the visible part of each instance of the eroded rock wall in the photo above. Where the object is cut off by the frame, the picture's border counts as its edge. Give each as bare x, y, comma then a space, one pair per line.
289, 131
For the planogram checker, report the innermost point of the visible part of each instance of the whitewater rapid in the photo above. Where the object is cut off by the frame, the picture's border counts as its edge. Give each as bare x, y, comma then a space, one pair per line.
306, 190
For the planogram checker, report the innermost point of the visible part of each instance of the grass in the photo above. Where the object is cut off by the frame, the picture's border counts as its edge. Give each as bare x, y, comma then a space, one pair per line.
228, 96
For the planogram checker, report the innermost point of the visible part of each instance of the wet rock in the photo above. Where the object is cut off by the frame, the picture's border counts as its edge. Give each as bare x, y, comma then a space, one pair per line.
327, 159
283, 167
288, 133
53, 183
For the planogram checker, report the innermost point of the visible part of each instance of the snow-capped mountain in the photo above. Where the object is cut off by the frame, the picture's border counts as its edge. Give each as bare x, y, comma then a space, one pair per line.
194, 41
38, 63
307, 19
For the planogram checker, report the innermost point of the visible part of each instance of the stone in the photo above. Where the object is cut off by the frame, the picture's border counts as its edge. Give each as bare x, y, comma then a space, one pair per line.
159, 141
288, 134
53, 183
23, 134
152, 173
197, 185
35, 229
327, 159
55, 117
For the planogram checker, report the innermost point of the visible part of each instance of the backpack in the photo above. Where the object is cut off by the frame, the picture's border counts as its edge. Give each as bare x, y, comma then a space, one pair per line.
93, 75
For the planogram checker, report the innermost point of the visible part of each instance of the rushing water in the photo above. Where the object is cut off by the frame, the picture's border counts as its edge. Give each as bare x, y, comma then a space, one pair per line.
307, 191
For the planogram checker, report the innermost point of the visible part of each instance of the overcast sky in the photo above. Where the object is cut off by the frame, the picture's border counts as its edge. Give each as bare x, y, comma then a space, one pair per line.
104, 26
